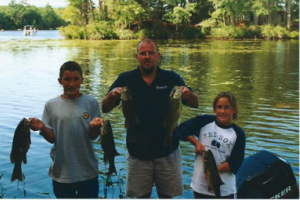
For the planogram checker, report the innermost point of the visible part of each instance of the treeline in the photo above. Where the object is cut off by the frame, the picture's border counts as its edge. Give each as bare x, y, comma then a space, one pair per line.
17, 15
183, 19
163, 19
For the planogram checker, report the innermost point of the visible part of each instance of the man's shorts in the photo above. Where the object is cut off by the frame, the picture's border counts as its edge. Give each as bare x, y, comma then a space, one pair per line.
165, 172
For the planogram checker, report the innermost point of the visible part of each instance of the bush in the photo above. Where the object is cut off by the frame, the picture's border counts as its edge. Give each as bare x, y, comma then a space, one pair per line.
125, 34
72, 32
254, 31
294, 35
270, 32
191, 33
225, 32
104, 30
281, 32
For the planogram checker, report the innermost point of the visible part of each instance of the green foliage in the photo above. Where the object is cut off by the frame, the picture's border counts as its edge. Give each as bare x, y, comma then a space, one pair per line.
105, 29
294, 35
125, 34
97, 31
72, 32
16, 16
226, 32
255, 31
271, 32
191, 33
268, 32
131, 19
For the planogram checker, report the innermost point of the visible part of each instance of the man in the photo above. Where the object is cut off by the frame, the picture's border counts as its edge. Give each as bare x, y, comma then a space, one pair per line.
148, 160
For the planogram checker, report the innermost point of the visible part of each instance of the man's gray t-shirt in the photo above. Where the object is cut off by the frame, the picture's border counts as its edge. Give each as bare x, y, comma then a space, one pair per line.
72, 154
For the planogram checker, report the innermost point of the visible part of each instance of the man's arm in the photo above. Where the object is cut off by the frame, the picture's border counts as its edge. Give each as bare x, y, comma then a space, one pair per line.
189, 98
111, 99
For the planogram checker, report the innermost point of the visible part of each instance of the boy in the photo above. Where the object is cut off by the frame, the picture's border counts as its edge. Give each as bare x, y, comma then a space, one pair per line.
71, 122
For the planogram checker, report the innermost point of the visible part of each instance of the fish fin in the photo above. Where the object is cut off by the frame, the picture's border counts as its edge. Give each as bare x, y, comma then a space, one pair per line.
132, 138
12, 160
116, 153
17, 173
221, 182
126, 123
25, 159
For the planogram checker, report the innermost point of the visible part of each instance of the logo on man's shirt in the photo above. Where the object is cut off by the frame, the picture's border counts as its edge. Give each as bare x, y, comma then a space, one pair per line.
85, 115
161, 87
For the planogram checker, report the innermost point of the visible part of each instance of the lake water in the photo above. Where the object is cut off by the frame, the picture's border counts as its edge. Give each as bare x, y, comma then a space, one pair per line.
263, 75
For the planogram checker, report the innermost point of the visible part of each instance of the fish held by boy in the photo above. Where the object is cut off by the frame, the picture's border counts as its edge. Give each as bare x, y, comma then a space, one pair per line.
108, 145
129, 112
20, 146
211, 171
172, 114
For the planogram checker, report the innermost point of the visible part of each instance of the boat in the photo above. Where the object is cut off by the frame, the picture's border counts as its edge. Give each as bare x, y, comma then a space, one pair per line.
29, 30
265, 175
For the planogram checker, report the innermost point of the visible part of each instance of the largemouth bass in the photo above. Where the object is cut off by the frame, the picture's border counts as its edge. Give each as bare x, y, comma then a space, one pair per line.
172, 114
108, 145
212, 173
20, 145
129, 112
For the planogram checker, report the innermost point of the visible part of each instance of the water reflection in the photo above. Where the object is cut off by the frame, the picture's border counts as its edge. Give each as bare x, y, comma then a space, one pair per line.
263, 75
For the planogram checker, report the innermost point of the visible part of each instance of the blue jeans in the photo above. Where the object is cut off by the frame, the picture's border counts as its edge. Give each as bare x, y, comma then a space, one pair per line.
82, 189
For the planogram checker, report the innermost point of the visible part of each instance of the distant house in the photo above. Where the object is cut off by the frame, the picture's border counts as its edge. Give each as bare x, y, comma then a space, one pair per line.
276, 18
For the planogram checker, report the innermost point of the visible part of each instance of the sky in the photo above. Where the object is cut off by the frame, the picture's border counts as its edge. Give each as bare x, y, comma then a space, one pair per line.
39, 3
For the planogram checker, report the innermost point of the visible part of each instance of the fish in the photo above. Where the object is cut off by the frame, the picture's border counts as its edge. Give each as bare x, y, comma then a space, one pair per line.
129, 112
20, 146
172, 115
108, 145
213, 178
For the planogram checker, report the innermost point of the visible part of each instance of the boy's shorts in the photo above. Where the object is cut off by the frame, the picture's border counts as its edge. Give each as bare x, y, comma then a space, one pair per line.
165, 172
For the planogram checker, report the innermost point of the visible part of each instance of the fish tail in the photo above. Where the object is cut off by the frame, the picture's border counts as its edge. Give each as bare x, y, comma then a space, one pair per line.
116, 153
112, 169
17, 173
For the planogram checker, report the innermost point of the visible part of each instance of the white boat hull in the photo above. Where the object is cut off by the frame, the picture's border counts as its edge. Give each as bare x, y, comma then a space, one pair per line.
29, 32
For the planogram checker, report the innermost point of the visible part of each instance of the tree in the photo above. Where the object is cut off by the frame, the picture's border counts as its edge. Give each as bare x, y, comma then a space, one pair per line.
181, 15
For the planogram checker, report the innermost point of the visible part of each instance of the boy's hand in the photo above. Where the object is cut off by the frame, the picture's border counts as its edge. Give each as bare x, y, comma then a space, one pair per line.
36, 124
96, 122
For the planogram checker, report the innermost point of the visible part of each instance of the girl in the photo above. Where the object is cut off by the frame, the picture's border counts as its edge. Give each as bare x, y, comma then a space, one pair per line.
224, 138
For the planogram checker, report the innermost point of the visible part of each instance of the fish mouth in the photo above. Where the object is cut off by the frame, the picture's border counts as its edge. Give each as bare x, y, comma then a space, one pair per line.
26, 121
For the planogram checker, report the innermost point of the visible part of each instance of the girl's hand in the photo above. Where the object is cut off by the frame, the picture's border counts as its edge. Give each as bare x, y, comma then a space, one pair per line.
199, 148
96, 122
